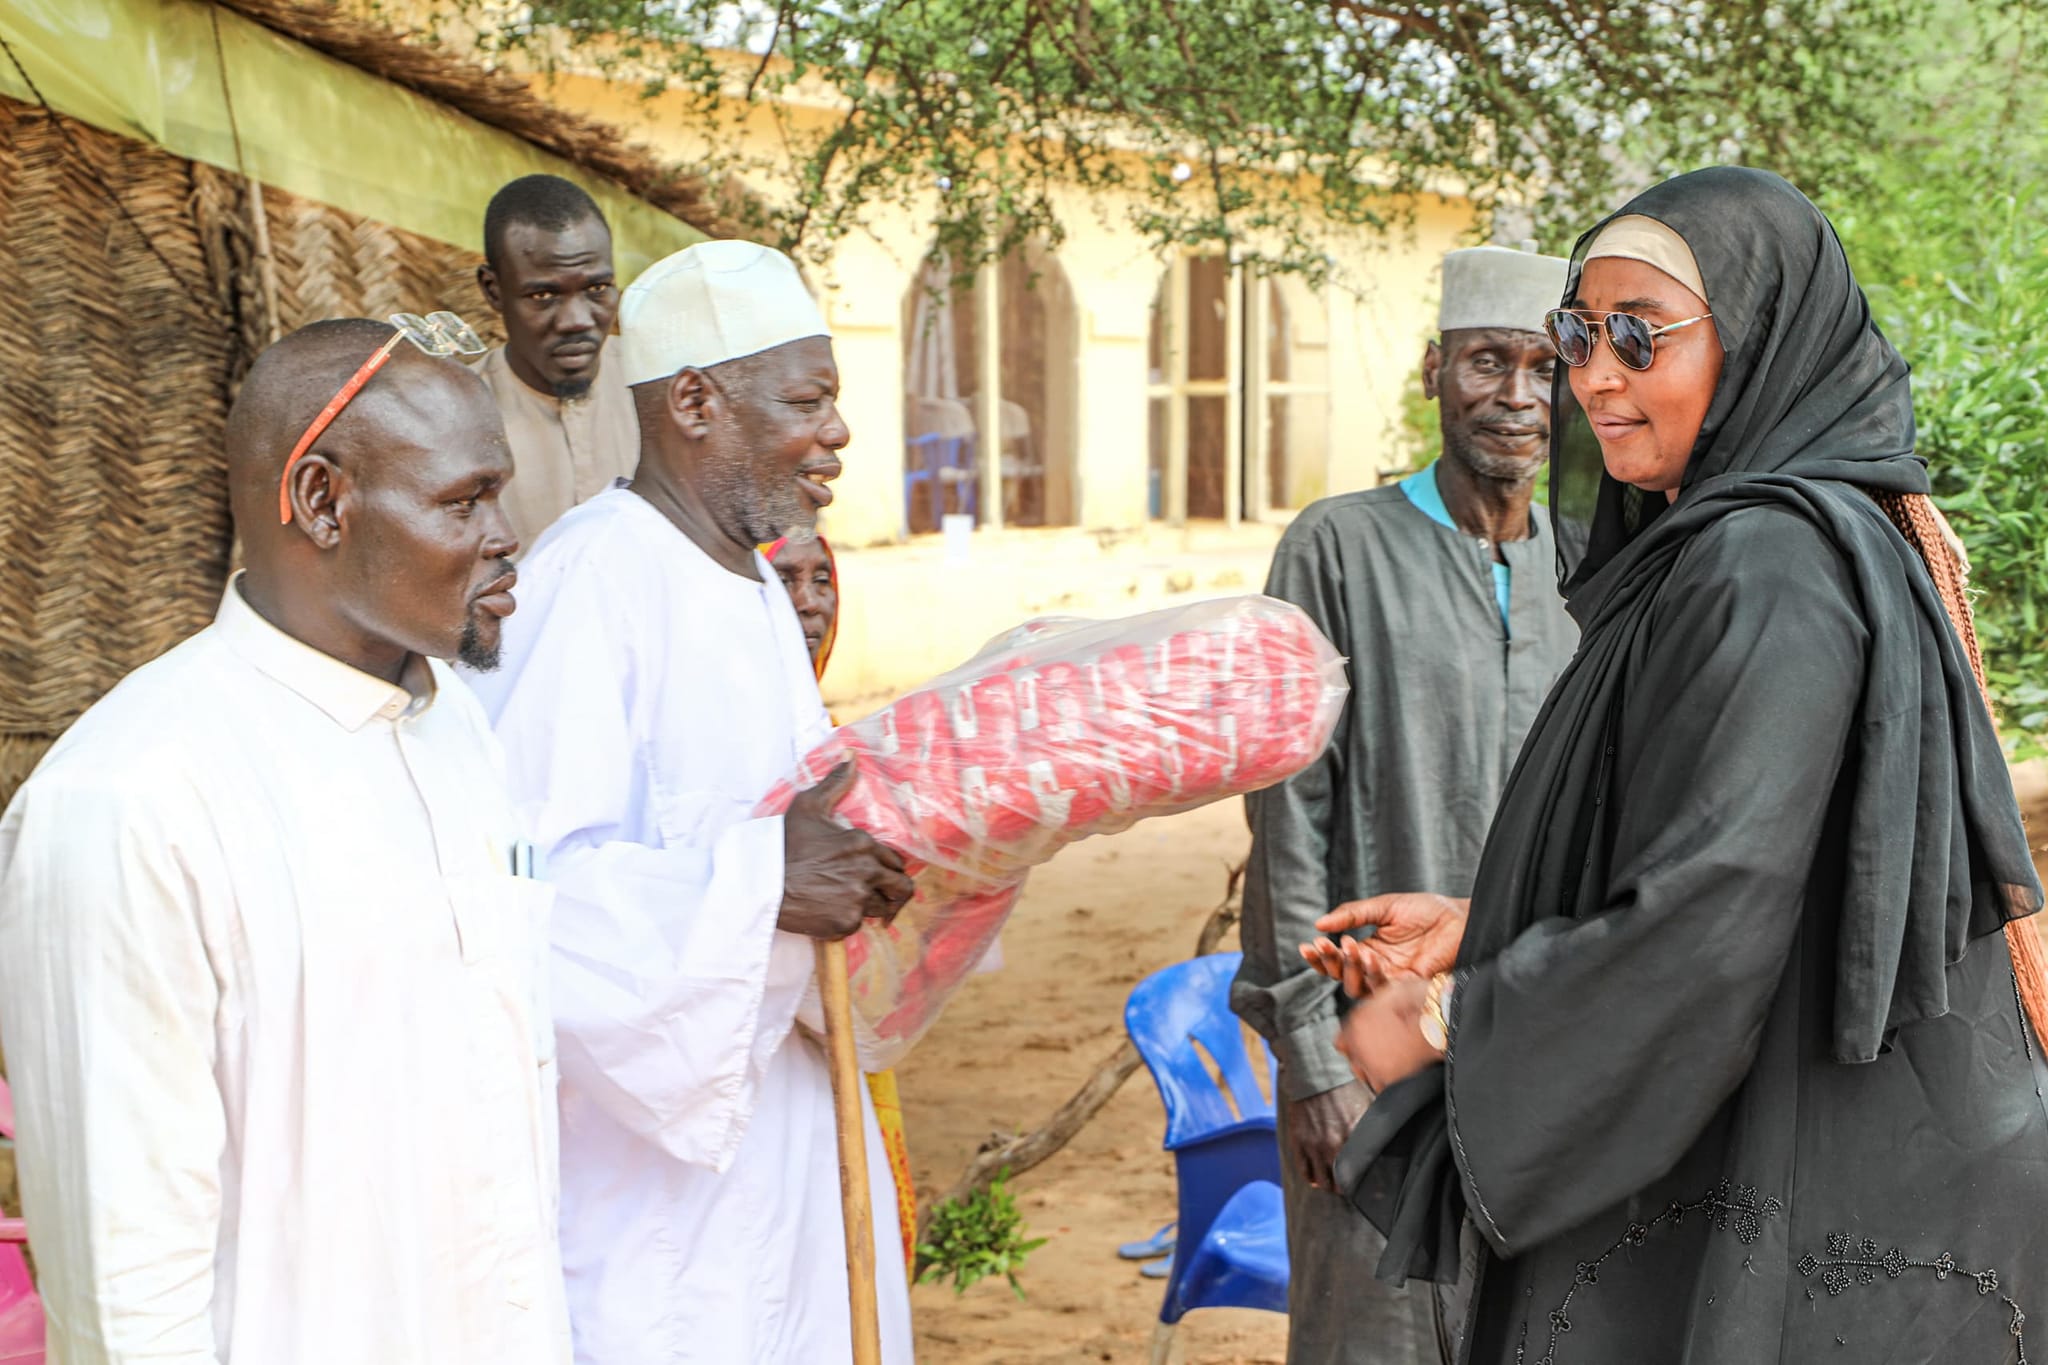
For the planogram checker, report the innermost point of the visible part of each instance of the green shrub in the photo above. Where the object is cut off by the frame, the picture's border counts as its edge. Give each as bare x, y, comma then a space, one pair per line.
1974, 329
1952, 249
971, 1239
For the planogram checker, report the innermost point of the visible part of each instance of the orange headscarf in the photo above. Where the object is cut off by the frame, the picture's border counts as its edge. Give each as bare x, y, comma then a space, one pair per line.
775, 547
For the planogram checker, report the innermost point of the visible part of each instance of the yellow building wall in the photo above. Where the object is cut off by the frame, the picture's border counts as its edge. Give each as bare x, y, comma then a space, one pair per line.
911, 607
1382, 315
864, 311
1114, 276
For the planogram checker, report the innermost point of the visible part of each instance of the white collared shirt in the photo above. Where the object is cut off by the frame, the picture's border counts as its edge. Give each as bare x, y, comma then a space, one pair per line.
274, 1016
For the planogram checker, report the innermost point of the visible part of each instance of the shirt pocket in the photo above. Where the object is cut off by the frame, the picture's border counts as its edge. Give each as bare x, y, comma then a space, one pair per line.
696, 819
499, 916
501, 922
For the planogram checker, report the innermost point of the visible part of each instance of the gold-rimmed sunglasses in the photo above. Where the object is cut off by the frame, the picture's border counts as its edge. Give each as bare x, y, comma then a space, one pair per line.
436, 334
1632, 339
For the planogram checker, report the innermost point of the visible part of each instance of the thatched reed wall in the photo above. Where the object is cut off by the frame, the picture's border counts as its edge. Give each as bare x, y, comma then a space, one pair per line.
113, 527
334, 264
114, 534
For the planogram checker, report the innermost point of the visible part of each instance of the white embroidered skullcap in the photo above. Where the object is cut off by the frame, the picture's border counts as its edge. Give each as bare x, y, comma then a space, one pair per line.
1494, 286
713, 302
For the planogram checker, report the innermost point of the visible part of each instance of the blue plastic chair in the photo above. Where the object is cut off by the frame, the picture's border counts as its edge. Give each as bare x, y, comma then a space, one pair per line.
943, 462
1232, 1249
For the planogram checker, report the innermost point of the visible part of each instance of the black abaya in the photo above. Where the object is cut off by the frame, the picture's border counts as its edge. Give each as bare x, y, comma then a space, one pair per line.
1737, 1068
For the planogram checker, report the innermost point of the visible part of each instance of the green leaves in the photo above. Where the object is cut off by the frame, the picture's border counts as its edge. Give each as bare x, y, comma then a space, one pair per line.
972, 1239
1951, 245
1278, 128
1303, 121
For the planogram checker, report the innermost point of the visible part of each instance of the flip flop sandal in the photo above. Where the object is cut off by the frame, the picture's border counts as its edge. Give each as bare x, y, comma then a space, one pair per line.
1158, 1244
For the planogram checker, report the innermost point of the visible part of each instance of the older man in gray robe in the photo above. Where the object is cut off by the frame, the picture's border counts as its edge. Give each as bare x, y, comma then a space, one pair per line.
1441, 593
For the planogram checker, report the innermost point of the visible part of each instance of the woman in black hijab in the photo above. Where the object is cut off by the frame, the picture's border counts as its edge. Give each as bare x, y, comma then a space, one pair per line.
1736, 1068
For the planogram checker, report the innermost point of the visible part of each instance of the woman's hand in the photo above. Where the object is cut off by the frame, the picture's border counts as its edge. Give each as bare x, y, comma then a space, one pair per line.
1382, 1035
1415, 934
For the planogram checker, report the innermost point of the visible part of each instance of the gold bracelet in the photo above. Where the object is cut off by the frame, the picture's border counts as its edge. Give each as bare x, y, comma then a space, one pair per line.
1436, 1031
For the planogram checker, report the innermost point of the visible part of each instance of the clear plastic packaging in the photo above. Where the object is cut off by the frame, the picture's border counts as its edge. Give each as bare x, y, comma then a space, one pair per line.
1054, 731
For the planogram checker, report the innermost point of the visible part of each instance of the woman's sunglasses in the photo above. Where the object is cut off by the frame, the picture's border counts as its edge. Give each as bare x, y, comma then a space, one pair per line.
1633, 341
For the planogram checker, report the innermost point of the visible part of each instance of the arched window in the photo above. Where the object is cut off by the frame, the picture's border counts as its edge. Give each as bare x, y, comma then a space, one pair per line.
1287, 443
1239, 390
1025, 303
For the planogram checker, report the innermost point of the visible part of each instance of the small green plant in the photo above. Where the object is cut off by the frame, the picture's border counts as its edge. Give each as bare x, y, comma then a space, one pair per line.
973, 1238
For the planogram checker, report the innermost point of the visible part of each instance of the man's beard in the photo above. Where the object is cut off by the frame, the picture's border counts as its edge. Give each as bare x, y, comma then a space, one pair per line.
1499, 468
765, 511
571, 390
471, 651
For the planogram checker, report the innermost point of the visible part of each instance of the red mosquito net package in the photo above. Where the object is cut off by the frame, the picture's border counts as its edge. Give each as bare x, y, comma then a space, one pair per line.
1057, 730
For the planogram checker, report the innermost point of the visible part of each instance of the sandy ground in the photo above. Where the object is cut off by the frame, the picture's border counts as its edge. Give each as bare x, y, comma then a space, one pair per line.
1016, 1043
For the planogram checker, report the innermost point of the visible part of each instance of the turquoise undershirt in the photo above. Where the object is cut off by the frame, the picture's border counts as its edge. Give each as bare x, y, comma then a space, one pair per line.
1429, 499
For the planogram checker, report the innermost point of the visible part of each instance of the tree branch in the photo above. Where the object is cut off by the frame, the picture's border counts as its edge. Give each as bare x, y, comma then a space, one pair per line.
768, 52
836, 143
1501, 94
1414, 23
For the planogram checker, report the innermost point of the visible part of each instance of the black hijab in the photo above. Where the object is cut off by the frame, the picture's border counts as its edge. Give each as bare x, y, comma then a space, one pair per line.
1813, 412
1811, 416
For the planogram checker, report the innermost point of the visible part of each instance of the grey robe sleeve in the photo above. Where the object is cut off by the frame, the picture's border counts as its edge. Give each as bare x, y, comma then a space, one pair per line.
1286, 886
1589, 1056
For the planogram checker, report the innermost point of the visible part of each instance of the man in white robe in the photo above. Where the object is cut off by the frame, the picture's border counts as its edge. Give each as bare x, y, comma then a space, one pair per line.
272, 1000
655, 686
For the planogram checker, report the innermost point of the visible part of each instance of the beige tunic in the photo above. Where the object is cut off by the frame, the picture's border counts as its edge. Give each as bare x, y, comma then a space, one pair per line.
563, 452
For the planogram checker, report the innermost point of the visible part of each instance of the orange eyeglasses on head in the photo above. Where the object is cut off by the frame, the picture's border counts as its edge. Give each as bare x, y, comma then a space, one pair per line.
436, 334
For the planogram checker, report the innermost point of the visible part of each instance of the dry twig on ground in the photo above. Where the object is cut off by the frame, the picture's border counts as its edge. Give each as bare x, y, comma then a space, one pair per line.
1018, 1154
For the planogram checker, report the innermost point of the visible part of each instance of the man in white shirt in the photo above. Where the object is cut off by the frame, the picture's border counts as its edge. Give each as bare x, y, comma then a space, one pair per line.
655, 686
271, 997
548, 275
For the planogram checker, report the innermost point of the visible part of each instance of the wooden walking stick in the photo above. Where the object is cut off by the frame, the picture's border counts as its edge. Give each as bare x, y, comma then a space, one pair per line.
859, 1215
